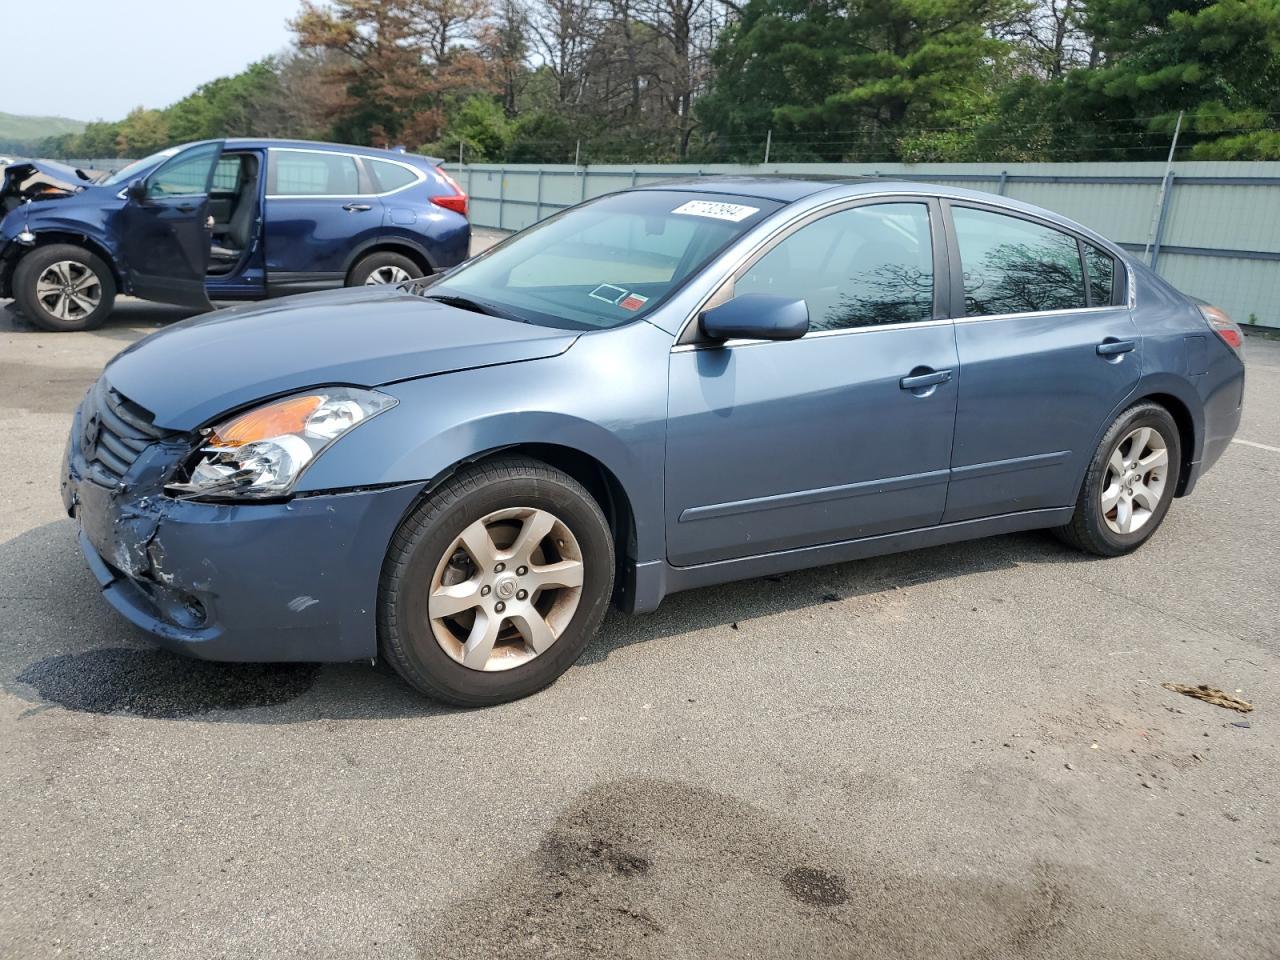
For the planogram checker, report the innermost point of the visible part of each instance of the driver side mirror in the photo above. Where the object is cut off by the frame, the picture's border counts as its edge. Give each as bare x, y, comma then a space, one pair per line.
137, 190
756, 316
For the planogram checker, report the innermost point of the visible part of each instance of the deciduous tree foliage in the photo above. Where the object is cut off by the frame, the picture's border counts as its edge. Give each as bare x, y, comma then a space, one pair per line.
657, 80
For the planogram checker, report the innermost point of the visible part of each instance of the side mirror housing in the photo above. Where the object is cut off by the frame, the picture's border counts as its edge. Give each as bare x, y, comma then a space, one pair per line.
137, 190
756, 316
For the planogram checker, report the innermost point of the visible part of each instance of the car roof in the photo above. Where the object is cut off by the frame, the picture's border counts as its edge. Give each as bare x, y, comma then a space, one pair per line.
787, 188
264, 142
774, 186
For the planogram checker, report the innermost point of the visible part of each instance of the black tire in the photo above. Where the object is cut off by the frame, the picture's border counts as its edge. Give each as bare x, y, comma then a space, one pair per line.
405, 636
35, 263
1088, 529
365, 267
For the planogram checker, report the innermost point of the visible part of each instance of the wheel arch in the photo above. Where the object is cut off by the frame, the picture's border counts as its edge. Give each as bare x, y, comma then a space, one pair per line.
406, 248
600, 481
1186, 433
45, 238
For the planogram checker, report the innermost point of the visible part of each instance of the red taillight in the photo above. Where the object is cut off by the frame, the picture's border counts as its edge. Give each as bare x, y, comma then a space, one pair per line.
1224, 327
458, 202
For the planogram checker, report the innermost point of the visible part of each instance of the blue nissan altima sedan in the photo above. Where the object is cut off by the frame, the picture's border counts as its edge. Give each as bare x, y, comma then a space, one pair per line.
660, 389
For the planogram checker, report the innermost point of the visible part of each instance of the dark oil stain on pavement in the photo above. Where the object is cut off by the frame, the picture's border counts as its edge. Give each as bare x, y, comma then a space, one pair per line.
162, 685
655, 869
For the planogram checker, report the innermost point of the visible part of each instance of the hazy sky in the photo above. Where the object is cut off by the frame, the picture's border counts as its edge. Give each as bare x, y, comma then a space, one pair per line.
98, 59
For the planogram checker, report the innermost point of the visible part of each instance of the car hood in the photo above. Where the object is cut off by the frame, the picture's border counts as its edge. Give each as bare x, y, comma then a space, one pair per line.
196, 370
58, 174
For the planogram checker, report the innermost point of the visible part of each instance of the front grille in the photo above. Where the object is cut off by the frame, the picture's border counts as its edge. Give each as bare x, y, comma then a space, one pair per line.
113, 433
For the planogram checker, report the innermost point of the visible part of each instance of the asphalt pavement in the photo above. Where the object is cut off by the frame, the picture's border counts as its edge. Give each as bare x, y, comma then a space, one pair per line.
962, 752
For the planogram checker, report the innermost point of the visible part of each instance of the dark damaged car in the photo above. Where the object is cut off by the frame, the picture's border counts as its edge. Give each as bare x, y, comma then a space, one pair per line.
222, 220
657, 390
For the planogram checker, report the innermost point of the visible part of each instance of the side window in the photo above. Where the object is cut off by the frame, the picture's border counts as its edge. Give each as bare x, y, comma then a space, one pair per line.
226, 175
389, 176
186, 174
297, 173
1102, 275
867, 266
1016, 266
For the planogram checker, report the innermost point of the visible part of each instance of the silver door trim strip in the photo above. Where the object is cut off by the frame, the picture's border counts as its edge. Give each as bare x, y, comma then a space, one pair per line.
844, 491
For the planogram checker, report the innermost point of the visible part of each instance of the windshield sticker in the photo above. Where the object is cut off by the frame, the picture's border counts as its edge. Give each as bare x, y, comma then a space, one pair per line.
608, 293
732, 212
632, 301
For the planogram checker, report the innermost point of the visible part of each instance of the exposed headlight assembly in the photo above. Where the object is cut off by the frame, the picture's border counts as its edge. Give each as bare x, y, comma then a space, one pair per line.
261, 452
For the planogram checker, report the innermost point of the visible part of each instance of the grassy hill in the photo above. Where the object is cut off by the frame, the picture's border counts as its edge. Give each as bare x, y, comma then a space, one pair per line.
19, 129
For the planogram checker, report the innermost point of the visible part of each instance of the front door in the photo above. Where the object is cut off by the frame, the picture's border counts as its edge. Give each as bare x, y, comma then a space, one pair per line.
320, 208
165, 228
845, 433
1048, 349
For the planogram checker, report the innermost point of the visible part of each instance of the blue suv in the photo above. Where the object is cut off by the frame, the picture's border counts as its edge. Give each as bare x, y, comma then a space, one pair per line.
223, 220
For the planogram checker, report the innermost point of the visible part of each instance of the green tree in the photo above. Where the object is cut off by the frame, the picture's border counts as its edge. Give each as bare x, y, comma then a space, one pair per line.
142, 132
1219, 61
848, 81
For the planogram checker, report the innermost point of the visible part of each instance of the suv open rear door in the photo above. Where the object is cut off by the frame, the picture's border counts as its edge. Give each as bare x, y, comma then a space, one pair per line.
165, 234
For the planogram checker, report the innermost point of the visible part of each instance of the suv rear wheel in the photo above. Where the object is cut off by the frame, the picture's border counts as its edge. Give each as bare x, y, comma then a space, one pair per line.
383, 267
63, 287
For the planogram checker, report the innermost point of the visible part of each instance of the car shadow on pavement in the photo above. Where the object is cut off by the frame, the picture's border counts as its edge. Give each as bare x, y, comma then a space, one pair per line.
61, 646
731, 604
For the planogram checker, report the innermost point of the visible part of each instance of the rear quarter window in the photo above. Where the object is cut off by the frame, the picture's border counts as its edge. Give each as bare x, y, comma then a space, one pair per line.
388, 176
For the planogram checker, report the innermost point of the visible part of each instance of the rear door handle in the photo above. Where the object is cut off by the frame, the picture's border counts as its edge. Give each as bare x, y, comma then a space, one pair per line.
356, 207
1111, 348
919, 380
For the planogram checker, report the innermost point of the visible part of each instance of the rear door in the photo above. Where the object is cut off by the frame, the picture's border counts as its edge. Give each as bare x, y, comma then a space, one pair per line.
1048, 350
165, 233
320, 207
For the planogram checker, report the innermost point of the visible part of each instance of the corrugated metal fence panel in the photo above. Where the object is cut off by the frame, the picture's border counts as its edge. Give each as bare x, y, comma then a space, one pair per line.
1219, 241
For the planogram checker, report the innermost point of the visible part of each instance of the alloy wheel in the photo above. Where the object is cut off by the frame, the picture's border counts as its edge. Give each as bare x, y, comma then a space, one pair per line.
506, 589
69, 290
387, 274
1135, 480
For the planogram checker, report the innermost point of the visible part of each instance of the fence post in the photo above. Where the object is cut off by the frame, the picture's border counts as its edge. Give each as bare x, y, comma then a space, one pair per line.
502, 193
1166, 190
1004, 179
582, 186
538, 207
633, 176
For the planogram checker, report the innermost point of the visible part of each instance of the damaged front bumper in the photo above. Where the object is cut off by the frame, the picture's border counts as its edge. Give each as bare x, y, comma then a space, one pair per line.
295, 580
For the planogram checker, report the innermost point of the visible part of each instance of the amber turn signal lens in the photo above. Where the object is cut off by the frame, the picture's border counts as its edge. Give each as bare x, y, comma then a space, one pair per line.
273, 420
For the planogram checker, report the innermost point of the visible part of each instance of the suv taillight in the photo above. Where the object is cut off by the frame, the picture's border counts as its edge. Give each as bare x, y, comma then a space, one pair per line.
457, 202
1223, 326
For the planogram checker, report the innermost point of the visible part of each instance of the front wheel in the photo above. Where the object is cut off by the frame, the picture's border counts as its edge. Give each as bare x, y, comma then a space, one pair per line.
495, 583
1129, 485
62, 287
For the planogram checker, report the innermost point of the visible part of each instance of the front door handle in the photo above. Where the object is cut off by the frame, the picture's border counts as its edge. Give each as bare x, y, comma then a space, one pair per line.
918, 381
356, 207
1113, 348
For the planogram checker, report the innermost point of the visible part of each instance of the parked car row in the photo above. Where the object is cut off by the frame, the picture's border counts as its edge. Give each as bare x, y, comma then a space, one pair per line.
222, 220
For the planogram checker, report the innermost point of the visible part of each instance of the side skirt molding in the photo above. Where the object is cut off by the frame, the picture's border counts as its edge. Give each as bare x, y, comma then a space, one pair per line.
647, 583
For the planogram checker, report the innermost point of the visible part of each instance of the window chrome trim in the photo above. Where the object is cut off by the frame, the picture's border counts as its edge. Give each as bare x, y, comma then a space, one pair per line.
814, 335
420, 175
1039, 313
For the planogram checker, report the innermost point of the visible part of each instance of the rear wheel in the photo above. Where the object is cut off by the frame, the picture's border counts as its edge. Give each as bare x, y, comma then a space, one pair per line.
1130, 483
383, 267
63, 287
495, 583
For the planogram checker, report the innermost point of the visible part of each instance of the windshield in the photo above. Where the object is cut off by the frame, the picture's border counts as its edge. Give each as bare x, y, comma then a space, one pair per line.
125, 174
605, 263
